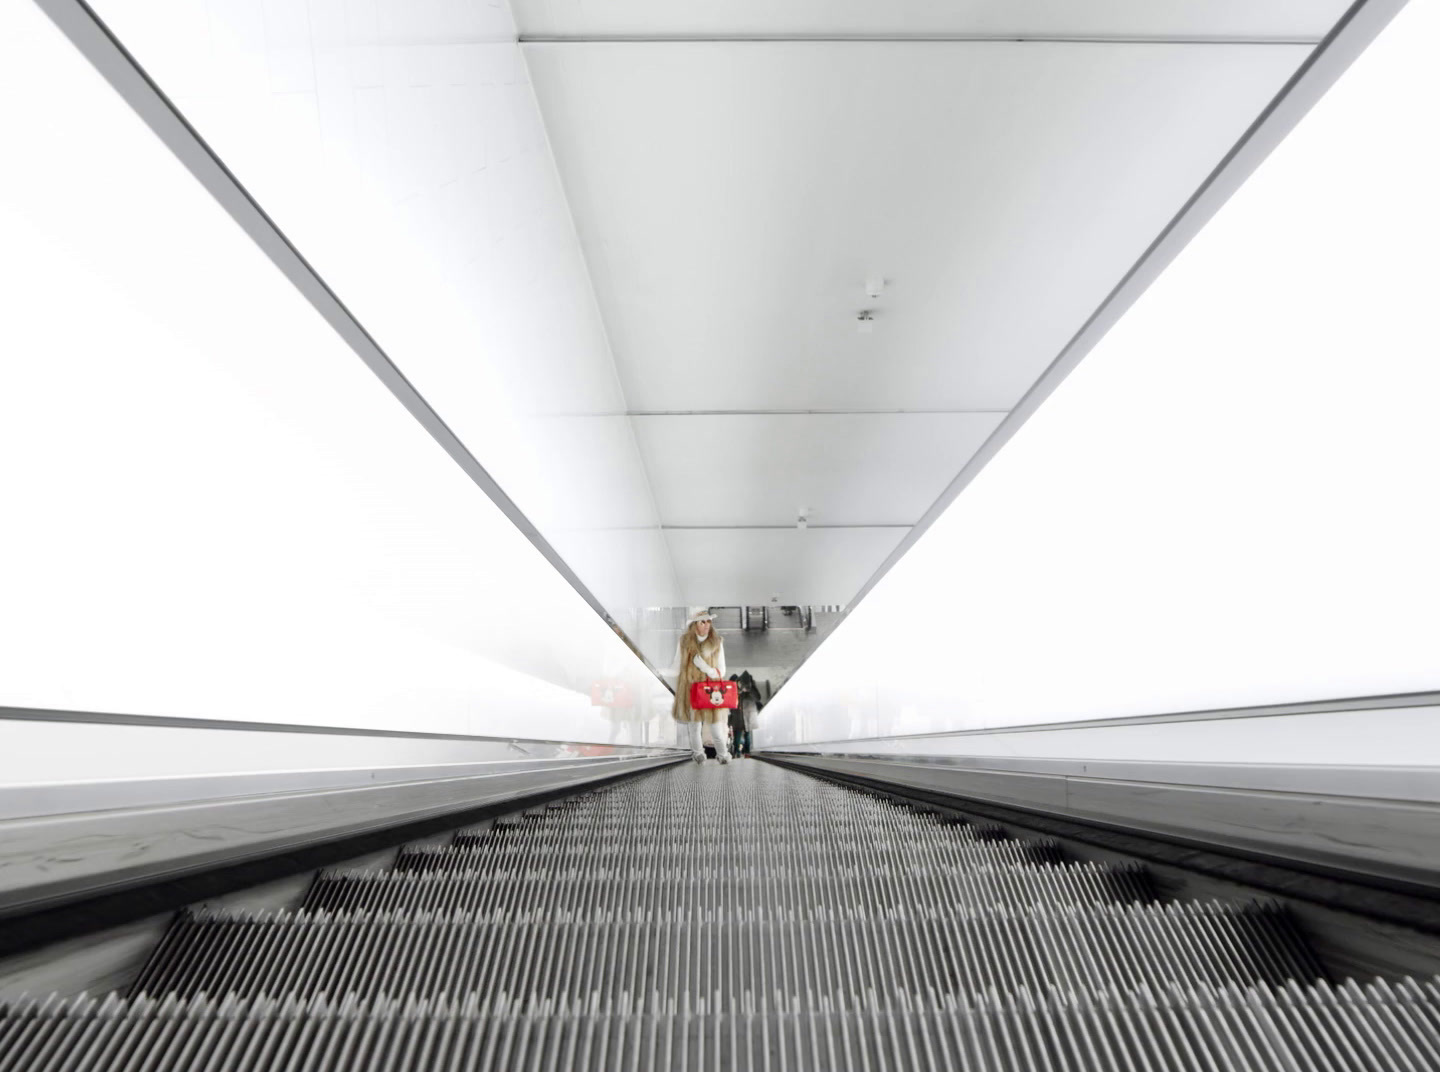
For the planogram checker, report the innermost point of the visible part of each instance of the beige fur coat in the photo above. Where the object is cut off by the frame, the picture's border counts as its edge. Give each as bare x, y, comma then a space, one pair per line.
712, 650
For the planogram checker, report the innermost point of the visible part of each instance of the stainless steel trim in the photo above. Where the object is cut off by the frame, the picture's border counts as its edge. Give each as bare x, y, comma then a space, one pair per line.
1392, 839
40, 714
50, 799
1304, 707
93, 38
1415, 784
52, 859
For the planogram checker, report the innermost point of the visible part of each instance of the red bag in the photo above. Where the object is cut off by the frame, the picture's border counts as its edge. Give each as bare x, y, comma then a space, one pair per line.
709, 695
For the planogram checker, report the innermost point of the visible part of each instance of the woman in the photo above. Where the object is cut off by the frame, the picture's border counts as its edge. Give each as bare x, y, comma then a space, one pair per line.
701, 658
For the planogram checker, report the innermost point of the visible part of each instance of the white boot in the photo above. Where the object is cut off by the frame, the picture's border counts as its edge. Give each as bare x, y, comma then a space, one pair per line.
721, 733
697, 749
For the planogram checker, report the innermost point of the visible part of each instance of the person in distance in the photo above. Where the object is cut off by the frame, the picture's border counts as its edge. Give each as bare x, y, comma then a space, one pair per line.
701, 658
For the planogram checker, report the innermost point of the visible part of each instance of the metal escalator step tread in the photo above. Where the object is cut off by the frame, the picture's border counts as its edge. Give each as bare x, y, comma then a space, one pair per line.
880, 886
746, 918
1380, 1026
695, 950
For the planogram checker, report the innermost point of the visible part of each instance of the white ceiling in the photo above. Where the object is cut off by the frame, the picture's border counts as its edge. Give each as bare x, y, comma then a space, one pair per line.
728, 567
732, 199
849, 469
734, 196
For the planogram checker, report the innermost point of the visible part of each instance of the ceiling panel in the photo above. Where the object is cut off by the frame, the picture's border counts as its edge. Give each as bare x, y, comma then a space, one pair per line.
1128, 18
733, 199
726, 567
850, 469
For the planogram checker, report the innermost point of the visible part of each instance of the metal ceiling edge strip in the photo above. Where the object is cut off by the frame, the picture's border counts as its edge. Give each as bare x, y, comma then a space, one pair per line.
1352, 33
814, 412
747, 528
899, 38
94, 40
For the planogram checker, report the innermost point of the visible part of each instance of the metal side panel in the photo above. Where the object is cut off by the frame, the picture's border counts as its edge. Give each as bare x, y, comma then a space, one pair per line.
1388, 838
53, 859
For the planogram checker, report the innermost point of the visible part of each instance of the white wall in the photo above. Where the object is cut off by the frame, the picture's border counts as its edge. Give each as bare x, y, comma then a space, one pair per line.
400, 148
212, 508
1231, 501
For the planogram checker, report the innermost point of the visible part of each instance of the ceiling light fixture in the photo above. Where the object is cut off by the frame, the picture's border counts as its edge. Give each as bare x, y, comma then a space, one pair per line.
874, 285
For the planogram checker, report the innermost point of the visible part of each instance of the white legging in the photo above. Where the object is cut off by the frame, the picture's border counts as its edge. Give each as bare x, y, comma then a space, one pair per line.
720, 731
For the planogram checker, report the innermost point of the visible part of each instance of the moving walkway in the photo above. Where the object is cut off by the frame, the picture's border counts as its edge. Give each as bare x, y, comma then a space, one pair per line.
749, 917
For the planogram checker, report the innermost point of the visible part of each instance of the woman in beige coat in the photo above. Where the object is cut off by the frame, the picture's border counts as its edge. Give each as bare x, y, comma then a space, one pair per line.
701, 658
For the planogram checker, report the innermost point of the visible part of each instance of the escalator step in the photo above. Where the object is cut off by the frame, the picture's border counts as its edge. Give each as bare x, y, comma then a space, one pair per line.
888, 886
696, 949
1381, 1027
735, 918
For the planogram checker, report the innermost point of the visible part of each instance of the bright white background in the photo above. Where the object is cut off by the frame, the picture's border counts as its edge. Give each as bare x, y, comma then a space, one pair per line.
212, 508
400, 148
1232, 501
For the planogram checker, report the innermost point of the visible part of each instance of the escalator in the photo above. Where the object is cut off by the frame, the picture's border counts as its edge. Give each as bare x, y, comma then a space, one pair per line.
747, 917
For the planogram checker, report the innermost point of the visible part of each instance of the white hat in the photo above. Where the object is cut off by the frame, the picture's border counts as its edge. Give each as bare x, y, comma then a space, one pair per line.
699, 614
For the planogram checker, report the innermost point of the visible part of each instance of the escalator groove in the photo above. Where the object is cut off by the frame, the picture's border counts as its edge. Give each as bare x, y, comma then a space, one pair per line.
752, 918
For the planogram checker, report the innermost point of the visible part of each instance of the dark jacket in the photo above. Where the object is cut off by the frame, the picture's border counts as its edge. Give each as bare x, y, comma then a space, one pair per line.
743, 717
